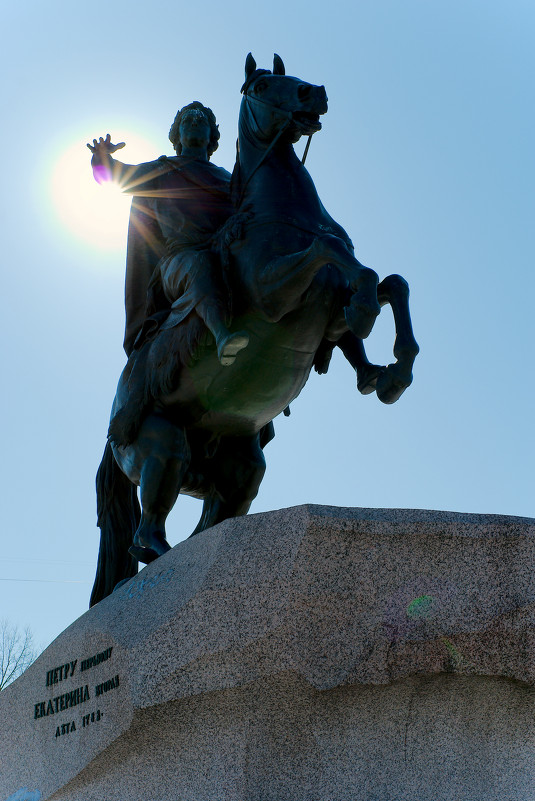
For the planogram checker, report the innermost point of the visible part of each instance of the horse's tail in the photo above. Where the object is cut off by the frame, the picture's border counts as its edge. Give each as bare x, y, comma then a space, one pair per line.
118, 515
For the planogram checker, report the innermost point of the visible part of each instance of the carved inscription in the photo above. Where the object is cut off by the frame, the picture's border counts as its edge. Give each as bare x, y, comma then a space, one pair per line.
61, 702
96, 660
60, 673
68, 728
65, 728
80, 695
106, 686
93, 717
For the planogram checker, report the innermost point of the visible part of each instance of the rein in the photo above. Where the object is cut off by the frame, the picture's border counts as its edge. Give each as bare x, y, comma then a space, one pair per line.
289, 114
263, 157
305, 154
266, 153
318, 230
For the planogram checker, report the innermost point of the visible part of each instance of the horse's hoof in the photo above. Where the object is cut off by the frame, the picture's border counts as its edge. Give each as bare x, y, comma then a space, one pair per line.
230, 346
392, 383
148, 554
367, 381
145, 555
360, 318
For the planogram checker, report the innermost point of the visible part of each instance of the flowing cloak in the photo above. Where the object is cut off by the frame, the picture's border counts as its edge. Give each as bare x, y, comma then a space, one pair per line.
175, 201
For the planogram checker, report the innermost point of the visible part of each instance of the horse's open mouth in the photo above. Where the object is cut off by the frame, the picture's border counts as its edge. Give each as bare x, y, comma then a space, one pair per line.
307, 121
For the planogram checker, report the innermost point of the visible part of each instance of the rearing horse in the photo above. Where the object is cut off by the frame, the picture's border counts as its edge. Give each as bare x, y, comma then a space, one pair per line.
298, 290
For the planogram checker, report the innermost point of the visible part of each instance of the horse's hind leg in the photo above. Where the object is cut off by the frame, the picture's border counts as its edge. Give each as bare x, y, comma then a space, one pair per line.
239, 467
157, 461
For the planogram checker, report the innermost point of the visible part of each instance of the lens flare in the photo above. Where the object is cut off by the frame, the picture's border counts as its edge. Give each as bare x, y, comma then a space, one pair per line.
94, 211
420, 607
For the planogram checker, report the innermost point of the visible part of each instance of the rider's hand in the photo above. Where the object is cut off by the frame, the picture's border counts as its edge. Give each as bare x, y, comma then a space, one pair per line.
104, 147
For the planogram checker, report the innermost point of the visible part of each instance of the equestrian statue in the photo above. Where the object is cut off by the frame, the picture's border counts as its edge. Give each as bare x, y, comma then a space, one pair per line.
236, 287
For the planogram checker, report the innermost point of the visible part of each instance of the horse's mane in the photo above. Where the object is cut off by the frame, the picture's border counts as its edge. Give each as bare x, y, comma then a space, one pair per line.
236, 181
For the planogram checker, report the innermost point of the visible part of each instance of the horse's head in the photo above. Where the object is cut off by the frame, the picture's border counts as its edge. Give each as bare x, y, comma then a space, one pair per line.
274, 100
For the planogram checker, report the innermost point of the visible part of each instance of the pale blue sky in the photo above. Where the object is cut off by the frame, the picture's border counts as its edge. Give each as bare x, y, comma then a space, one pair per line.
425, 157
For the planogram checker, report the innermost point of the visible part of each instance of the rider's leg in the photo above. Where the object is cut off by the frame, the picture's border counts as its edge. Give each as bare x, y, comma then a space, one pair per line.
163, 456
228, 343
198, 273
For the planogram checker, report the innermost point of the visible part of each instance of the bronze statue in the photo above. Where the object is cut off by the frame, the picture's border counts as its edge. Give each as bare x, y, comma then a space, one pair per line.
180, 203
196, 426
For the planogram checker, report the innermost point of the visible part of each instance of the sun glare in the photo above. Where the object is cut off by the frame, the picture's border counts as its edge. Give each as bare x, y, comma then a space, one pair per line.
95, 213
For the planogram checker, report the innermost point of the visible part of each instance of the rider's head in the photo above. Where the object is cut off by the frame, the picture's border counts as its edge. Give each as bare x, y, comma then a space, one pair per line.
174, 133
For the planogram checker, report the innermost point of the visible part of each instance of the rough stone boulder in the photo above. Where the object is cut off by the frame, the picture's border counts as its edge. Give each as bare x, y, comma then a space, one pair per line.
306, 654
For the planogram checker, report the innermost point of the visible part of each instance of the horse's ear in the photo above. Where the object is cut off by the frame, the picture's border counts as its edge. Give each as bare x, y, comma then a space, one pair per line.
250, 66
278, 65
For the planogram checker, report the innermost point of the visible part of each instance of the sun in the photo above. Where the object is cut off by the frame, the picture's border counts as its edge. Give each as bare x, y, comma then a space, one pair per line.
96, 214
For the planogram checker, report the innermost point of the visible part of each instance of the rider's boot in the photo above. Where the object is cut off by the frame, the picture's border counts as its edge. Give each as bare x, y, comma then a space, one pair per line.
229, 345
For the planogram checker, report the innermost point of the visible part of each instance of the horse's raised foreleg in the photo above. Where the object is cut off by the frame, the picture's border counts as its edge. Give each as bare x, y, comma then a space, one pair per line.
394, 379
239, 467
391, 381
284, 280
367, 373
157, 461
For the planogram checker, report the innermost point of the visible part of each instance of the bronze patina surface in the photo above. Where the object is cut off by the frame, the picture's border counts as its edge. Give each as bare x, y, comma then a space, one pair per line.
235, 289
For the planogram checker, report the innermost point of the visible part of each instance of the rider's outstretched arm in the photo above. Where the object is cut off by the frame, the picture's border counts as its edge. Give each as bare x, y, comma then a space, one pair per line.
130, 177
104, 167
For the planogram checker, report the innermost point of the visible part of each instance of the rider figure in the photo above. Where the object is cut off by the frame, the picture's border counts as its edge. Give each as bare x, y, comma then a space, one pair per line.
179, 204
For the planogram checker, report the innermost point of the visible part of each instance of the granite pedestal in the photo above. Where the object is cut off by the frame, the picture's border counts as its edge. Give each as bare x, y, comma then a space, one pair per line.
308, 654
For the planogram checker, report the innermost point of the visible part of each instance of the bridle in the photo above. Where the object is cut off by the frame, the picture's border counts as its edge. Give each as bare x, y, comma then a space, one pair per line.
283, 113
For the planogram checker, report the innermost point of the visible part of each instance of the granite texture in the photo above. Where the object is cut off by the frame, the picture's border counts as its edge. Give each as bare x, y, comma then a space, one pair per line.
437, 738
313, 652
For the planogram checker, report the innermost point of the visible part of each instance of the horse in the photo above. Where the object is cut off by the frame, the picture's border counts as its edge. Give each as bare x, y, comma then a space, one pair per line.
298, 290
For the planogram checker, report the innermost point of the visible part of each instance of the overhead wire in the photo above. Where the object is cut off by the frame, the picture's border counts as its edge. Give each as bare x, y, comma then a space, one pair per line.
51, 581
